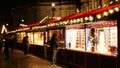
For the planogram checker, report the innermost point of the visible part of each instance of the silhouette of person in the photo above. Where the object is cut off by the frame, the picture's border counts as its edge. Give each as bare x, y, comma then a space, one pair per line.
54, 45
25, 43
6, 47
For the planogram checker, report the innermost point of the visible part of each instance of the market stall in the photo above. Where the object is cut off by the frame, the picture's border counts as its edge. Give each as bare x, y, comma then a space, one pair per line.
88, 39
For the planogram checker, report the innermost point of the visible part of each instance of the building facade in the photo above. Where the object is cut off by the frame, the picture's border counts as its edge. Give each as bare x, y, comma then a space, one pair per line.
89, 5
35, 12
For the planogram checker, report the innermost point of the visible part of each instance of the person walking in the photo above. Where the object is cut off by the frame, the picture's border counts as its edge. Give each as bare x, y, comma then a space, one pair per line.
54, 47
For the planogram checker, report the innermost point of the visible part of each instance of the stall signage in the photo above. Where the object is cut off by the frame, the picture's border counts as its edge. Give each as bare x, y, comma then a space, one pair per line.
75, 26
102, 24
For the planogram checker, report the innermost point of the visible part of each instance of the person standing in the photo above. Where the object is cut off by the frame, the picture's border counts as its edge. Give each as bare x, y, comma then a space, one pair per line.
25, 44
54, 47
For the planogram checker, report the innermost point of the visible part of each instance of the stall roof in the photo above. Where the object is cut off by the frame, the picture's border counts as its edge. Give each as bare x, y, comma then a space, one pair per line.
50, 21
39, 23
88, 13
73, 16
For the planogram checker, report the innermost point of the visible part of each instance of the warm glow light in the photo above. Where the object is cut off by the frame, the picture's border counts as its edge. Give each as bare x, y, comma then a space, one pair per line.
23, 25
98, 6
104, 5
61, 23
53, 4
111, 2
105, 13
90, 18
4, 29
75, 20
22, 20
58, 18
71, 21
99, 16
86, 18
81, 19
65, 22
111, 11
78, 20
7, 24
117, 9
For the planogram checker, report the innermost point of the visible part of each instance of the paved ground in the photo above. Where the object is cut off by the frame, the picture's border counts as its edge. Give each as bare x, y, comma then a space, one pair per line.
19, 60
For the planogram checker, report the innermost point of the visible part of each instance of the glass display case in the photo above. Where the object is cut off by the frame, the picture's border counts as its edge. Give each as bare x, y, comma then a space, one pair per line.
98, 37
101, 37
75, 37
38, 38
60, 35
30, 37
20, 36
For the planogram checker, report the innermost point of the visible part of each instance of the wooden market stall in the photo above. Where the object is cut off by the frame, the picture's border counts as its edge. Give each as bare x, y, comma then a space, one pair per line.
88, 39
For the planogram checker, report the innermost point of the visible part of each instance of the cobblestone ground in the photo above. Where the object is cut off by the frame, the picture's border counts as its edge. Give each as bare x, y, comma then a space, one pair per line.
19, 60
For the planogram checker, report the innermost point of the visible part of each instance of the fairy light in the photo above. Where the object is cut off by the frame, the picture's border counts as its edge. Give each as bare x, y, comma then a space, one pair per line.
91, 18
105, 13
99, 16
81, 19
111, 2
78, 20
111, 11
117, 9
86, 18
75, 20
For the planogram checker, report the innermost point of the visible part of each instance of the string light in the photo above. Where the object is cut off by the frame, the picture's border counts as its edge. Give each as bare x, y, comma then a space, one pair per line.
71, 21
99, 16
91, 18
75, 20
78, 20
81, 19
117, 9
111, 11
105, 13
86, 18
111, 2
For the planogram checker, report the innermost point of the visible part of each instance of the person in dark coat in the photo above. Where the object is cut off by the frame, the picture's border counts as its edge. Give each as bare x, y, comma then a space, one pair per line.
54, 47
25, 44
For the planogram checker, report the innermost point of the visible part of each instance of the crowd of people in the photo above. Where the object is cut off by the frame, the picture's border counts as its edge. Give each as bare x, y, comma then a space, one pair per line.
7, 42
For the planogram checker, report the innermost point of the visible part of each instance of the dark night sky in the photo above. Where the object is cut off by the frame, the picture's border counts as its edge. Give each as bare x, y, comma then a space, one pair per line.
13, 3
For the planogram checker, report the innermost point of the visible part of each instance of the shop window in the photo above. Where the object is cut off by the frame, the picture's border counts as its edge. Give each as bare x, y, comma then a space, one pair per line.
60, 35
38, 38
20, 36
75, 37
30, 37
102, 37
